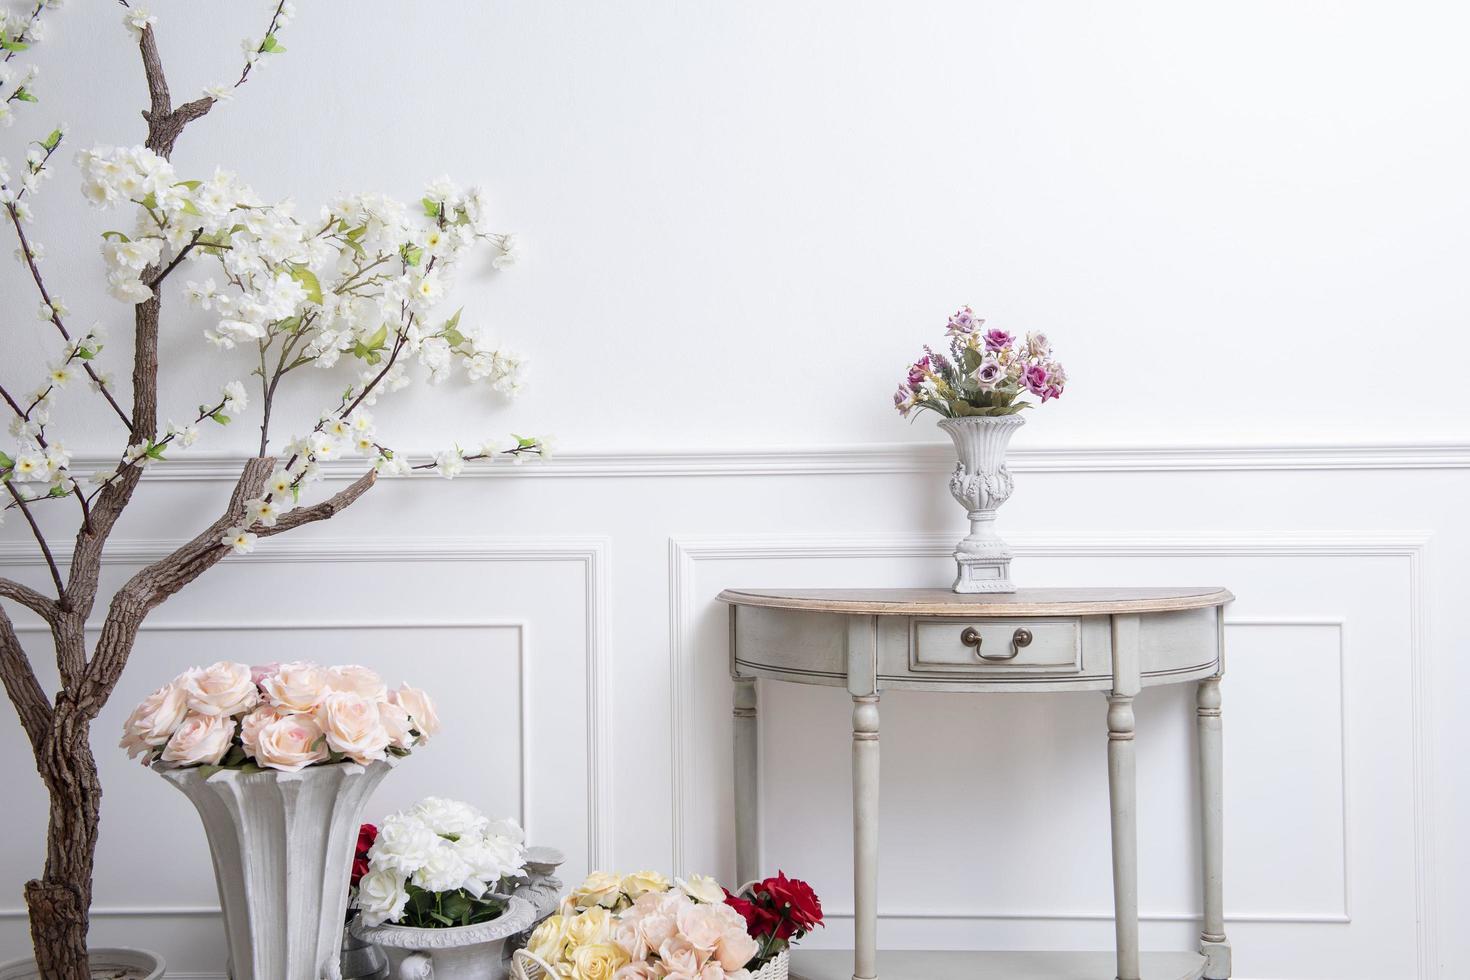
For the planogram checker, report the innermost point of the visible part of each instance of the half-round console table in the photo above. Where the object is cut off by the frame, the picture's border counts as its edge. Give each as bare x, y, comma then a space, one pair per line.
1113, 640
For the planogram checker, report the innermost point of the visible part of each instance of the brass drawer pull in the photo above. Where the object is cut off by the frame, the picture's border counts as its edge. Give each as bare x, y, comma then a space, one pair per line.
971, 637
1022, 638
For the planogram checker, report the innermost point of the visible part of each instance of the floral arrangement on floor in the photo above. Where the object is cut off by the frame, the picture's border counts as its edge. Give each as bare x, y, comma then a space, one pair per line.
439, 864
643, 926
778, 912
278, 716
985, 373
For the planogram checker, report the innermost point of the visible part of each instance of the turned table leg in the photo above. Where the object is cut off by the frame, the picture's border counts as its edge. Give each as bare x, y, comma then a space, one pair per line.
747, 783
1123, 793
865, 835
1213, 944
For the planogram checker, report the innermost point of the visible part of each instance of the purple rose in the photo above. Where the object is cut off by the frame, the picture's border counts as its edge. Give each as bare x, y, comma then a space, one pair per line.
1051, 391
919, 370
1034, 378
964, 322
990, 374
997, 339
903, 400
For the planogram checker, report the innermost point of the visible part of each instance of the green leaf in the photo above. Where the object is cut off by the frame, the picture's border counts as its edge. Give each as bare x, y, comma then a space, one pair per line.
412, 254
455, 905
524, 442
23, 95
87, 353
58, 492
270, 44
442, 918
6, 462
308, 281
221, 418
150, 202
432, 207
116, 235
191, 184
10, 45
53, 141
154, 450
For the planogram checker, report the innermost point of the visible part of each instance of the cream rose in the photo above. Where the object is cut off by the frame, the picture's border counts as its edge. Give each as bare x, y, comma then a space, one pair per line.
154, 721
296, 686
222, 689
703, 888
599, 961
199, 740
356, 679
420, 710
640, 882
599, 888
252, 725
352, 726
290, 743
592, 926
550, 939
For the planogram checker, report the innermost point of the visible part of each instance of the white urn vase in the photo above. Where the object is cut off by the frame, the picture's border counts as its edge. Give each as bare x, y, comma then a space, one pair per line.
981, 483
282, 845
474, 952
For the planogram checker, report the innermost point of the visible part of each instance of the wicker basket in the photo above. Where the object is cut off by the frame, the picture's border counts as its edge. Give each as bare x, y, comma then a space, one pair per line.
529, 966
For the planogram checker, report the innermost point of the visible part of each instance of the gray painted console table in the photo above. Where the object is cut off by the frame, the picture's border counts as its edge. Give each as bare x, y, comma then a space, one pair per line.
1117, 641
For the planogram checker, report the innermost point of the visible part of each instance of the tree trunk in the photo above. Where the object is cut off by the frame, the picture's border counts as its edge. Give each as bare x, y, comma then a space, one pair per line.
58, 901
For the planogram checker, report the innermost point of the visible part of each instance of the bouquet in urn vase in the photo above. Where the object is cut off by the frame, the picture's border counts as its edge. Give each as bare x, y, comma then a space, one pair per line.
979, 390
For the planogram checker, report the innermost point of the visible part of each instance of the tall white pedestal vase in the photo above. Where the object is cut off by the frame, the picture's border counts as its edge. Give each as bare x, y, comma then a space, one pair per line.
282, 845
981, 483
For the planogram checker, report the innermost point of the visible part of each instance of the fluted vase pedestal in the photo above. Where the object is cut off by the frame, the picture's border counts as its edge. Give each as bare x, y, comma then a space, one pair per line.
282, 845
981, 483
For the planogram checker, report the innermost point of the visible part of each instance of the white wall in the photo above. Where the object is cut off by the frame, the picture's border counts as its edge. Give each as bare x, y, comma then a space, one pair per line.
1244, 231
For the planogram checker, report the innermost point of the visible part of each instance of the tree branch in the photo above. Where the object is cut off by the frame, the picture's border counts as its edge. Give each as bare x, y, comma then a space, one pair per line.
30, 598
22, 687
165, 123
40, 540
330, 507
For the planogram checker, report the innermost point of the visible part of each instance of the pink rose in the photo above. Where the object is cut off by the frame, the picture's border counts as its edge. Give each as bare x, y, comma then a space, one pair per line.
154, 721
291, 743
352, 726
1034, 377
252, 725
702, 929
680, 956
200, 740
397, 724
420, 710
996, 339
356, 679
296, 686
639, 971
657, 928
627, 935
260, 672
220, 689
736, 948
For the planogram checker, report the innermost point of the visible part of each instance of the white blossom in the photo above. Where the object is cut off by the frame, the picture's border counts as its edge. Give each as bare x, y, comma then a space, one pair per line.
241, 541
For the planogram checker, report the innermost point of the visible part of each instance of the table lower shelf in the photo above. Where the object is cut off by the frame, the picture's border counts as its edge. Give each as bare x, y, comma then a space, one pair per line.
832, 964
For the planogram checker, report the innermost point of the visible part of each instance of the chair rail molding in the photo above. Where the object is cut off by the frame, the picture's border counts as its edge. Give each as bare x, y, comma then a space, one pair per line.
685, 553
908, 457
591, 553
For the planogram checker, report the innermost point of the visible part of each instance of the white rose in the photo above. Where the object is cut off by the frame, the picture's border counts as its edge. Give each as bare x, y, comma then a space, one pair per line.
296, 686
487, 861
599, 888
420, 709
381, 896
403, 844
448, 816
356, 679
290, 743
444, 871
200, 740
506, 827
703, 888
154, 721
352, 726
220, 689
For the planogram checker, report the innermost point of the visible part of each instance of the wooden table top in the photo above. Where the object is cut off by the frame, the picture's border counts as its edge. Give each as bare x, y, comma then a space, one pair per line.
942, 602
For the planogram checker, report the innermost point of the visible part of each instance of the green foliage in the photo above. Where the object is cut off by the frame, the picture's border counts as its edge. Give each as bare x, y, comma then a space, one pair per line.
432, 208
371, 349
308, 281
445, 910
53, 141
23, 95
271, 46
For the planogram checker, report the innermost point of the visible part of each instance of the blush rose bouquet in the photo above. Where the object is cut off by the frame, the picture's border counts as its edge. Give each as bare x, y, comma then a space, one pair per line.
278, 716
439, 864
644, 926
986, 372
777, 912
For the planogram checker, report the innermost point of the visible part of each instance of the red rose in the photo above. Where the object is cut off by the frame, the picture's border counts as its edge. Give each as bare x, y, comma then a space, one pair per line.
793, 900
359, 868
367, 834
759, 921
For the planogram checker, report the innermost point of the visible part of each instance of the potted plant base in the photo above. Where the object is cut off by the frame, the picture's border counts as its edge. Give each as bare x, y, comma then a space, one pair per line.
474, 952
107, 964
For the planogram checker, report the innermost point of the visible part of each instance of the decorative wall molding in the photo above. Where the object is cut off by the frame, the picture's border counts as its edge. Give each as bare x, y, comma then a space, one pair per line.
1411, 545
591, 553
883, 458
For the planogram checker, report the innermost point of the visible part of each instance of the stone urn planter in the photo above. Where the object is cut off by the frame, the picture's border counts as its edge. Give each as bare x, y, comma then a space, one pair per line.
981, 483
474, 952
282, 845
119, 963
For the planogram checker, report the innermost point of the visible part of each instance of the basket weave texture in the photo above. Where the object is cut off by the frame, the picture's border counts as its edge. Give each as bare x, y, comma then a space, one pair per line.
528, 966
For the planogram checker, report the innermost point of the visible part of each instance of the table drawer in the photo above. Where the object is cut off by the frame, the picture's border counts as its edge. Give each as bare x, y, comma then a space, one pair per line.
994, 645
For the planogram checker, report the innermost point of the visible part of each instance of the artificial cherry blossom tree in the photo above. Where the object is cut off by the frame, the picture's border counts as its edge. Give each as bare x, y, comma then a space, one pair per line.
359, 285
